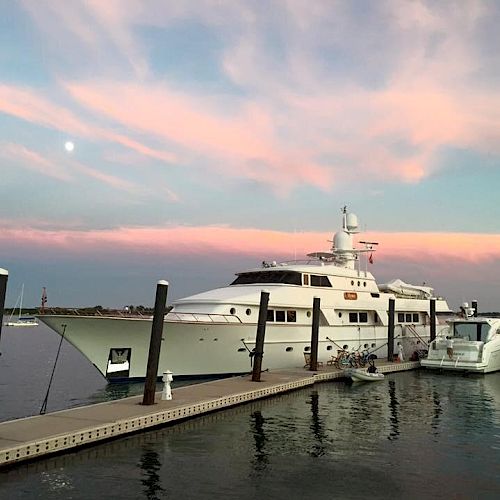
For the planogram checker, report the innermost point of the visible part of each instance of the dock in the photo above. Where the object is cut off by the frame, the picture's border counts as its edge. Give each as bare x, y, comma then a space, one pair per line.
37, 437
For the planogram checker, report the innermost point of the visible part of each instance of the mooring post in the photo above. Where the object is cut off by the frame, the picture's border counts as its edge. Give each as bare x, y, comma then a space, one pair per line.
155, 343
261, 333
390, 331
4, 276
313, 366
432, 315
474, 307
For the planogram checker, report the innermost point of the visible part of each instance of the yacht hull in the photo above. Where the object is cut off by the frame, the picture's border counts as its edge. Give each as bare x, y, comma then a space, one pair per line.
198, 348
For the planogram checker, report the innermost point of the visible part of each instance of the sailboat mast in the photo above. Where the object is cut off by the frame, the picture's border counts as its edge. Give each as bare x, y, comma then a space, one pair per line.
21, 302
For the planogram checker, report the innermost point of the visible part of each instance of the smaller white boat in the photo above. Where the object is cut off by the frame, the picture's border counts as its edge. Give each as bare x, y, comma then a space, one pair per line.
469, 344
21, 320
359, 375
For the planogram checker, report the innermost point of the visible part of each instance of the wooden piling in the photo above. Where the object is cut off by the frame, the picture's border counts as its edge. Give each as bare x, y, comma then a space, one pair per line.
4, 276
261, 333
155, 343
313, 366
390, 331
432, 315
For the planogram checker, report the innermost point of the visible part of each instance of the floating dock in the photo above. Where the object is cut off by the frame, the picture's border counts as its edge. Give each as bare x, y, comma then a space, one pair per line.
39, 436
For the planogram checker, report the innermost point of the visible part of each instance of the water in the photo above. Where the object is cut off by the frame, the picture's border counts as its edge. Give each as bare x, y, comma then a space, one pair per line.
414, 435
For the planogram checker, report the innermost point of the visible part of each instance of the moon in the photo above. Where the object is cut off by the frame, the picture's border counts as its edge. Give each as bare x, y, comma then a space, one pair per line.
69, 146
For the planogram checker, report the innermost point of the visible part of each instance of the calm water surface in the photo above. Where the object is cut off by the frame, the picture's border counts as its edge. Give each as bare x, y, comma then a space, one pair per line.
414, 435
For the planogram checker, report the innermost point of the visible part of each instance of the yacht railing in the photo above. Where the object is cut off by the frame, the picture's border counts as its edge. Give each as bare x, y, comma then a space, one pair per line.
201, 318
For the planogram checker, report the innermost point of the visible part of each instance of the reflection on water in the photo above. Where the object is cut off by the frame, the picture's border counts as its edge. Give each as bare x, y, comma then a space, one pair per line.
413, 435
393, 406
260, 456
151, 465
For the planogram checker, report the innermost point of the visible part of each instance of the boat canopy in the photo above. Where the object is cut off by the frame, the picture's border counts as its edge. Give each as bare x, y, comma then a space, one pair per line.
403, 289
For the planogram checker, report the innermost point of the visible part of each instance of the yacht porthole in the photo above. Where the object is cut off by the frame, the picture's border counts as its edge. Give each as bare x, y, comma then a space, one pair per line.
289, 349
340, 315
374, 345
345, 347
359, 283
232, 310
216, 339
329, 347
201, 340
364, 283
366, 346
248, 312
352, 282
241, 349
308, 313
307, 348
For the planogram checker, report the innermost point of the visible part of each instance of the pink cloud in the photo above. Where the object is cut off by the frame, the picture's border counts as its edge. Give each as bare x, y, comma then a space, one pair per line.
417, 247
244, 139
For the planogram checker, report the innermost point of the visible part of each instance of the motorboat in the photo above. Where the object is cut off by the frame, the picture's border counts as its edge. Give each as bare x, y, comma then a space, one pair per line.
214, 333
361, 375
469, 344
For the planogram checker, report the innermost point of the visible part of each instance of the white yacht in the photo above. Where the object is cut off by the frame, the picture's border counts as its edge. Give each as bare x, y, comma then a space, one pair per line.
212, 333
468, 344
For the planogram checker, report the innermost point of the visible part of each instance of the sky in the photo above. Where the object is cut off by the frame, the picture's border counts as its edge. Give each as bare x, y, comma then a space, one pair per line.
189, 140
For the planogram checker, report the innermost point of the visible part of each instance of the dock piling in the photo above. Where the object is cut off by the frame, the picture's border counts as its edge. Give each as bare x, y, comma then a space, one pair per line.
4, 276
313, 366
432, 315
261, 333
390, 331
155, 343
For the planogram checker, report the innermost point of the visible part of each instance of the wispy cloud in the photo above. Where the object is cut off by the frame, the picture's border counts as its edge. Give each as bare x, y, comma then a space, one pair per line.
23, 157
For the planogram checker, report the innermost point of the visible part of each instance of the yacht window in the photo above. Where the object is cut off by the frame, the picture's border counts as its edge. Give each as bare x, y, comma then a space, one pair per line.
291, 316
280, 316
401, 318
353, 317
307, 348
345, 347
375, 295
308, 314
340, 315
289, 349
232, 310
416, 318
363, 317
317, 280
286, 277
306, 279
270, 315
408, 318
329, 347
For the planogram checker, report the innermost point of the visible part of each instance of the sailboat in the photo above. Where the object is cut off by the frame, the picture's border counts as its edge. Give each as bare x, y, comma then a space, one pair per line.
21, 320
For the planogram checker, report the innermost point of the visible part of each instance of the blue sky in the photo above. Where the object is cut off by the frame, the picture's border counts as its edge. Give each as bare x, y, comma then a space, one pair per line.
204, 132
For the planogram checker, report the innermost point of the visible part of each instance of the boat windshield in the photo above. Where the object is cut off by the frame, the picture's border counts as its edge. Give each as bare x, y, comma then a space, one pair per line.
471, 331
287, 277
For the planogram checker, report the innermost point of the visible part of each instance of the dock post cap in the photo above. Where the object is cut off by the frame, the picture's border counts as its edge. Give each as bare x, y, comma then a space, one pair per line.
162, 282
4, 271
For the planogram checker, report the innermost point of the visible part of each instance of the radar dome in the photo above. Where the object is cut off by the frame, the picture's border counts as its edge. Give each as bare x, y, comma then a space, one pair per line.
352, 222
342, 241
